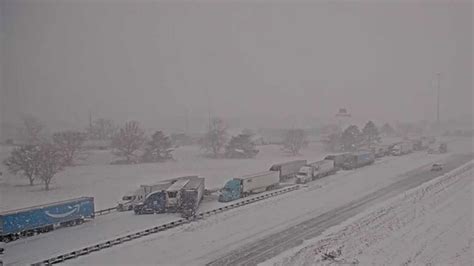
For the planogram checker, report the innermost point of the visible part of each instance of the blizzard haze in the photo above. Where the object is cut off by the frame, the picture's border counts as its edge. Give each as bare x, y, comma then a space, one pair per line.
257, 64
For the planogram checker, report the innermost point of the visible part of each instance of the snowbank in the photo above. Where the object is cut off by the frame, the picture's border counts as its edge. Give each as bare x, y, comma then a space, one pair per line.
439, 211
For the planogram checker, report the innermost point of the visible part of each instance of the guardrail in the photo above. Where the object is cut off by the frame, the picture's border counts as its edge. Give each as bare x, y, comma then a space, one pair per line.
159, 228
105, 211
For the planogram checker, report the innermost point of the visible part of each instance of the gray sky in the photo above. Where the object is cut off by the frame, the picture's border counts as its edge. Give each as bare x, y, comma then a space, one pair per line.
261, 64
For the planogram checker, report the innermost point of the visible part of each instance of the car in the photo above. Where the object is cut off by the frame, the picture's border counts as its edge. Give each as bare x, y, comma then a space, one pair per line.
436, 167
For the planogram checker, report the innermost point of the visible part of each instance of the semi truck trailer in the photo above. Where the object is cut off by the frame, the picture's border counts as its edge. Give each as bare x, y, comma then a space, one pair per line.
402, 148
315, 170
359, 159
184, 196
192, 195
288, 170
339, 159
237, 188
44, 218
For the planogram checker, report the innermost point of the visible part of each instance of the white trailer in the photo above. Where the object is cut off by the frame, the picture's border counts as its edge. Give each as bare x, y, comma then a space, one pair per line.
315, 170
173, 195
259, 182
402, 148
288, 169
324, 168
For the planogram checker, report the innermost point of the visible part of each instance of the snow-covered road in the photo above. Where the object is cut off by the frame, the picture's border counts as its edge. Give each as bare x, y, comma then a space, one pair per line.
274, 244
435, 220
204, 241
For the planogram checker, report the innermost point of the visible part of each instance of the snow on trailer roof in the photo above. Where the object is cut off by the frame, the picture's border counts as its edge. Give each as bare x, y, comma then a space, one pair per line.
194, 182
178, 185
320, 162
278, 165
44, 205
257, 174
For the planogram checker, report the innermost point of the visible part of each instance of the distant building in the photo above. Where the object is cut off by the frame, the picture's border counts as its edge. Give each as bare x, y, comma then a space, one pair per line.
344, 118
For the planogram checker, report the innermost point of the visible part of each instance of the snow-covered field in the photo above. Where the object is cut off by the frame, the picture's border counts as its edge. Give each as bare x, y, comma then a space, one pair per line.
108, 183
428, 225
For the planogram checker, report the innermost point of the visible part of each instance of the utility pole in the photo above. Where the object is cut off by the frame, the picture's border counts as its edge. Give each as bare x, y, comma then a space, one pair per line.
438, 78
186, 125
90, 120
209, 107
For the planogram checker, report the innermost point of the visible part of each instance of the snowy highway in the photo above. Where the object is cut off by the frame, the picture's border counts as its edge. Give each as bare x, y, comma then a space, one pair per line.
214, 238
272, 245
209, 240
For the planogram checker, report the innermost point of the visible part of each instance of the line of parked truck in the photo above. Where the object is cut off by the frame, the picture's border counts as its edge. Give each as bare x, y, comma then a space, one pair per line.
184, 194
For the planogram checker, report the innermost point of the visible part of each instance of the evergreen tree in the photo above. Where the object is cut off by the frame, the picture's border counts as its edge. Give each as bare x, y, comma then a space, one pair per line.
350, 138
370, 133
158, 149
241, 146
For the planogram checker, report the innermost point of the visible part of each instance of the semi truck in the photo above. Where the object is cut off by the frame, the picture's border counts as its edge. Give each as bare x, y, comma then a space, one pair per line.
359, 159
339, 159
44, 218
237, 188
187, 199
288, 170
315, 170
402, 148
192, 195
138, 196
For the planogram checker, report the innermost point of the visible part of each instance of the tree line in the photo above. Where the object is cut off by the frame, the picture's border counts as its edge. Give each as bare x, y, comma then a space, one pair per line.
41, 157
352, 138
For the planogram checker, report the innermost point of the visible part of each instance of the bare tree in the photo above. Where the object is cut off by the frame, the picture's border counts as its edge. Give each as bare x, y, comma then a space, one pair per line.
51, 162
215, 139
69, 143
102, 129
294, 141
32, 128
128, 140
158, 149
24, 160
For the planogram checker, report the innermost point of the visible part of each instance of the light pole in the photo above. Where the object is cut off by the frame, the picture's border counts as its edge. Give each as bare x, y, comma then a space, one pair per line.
438, 78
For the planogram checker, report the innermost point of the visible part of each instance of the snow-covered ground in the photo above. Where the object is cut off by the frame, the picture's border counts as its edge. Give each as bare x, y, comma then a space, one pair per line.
429, 225
108, 183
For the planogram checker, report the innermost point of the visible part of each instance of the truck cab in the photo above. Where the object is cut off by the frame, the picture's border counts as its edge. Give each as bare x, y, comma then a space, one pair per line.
304, 175
230, 191
397, 150
155, 202
130, 199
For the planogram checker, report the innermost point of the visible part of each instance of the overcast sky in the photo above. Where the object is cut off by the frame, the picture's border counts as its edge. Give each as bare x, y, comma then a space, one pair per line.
260, 63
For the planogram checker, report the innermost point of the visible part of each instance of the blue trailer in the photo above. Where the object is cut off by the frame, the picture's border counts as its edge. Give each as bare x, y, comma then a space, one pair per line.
44, 218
